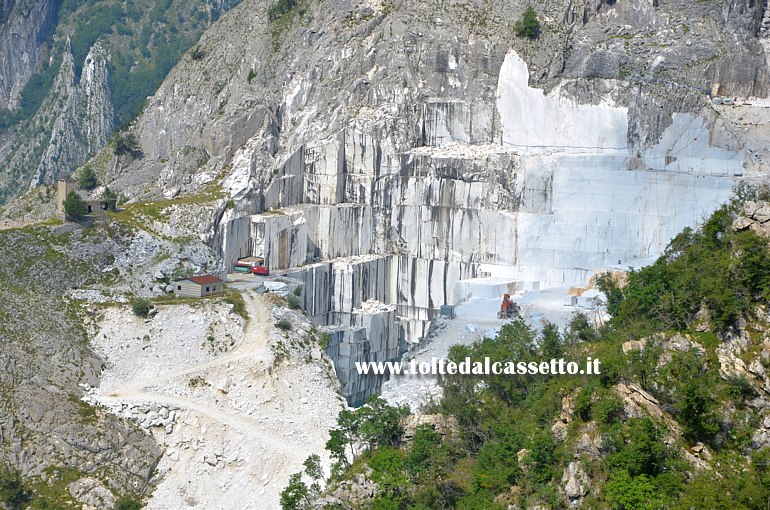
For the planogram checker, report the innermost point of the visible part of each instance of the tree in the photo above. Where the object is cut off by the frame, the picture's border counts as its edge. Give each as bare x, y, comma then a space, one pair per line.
388, 471
294, 302
579, 329
528, 26
550, 341
13, 491
314, 472
313, 467
374, 424
110, 198
87, 178
337, 446
497, 466
75, 209
542, 458
695, 411
295, 495
380, 423
425, 442
639, 449
125, 144
643, 362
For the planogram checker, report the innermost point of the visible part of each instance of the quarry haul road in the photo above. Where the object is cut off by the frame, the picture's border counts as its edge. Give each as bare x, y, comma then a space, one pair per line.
243, 423
254, 344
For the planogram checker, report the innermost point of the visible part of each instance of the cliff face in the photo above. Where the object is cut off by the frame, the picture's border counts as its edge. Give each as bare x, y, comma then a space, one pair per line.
73, 123
73, 141
72, 72
340, 65
24, 28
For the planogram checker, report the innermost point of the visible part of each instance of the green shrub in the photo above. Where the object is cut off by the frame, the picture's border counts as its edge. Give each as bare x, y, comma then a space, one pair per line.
608, 408
295, 495
280, 8
283, 325
497, 466
141, 307
550, 342
293, 302
197, 53
740, 389
425, 442
251, 76
638, 448
239, 306
696, 409
627, 492
579, 329
125, 144
528, 26
128, 503
13, 491
388, 471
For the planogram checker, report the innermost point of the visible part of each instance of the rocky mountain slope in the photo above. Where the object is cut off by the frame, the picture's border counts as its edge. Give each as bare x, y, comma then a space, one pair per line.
236, 409
74, 71
390, 70
47, 359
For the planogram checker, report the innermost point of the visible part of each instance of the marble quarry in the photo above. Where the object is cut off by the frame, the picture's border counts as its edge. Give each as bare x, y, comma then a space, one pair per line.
369, 333
559, 195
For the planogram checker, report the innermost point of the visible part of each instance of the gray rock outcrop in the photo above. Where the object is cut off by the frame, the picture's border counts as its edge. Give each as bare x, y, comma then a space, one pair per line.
24, 26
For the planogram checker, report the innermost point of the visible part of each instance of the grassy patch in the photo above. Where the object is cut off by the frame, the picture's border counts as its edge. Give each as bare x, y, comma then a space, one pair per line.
140, 215
235, 298
54, 494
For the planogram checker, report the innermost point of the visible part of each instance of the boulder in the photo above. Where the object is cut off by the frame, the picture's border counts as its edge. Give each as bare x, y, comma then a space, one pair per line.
575, 484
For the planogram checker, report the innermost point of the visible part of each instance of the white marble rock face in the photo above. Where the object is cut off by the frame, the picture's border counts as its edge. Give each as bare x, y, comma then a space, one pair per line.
541, 192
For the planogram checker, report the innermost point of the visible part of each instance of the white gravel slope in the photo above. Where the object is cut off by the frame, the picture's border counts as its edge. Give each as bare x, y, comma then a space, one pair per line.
235, 424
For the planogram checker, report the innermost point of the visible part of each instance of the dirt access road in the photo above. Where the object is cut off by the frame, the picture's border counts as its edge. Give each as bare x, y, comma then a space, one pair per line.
246, 424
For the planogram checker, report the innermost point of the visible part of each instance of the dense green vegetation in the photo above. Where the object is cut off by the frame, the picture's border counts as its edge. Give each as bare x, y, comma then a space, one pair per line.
504, 450
716, 271
128, 503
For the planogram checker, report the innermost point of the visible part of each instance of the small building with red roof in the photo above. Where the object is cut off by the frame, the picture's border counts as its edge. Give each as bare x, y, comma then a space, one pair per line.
199, 286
